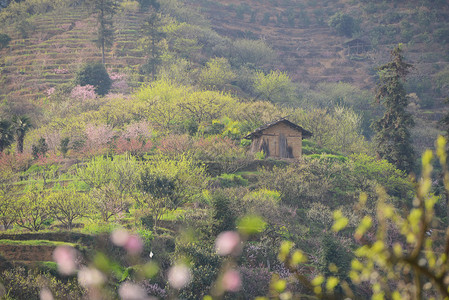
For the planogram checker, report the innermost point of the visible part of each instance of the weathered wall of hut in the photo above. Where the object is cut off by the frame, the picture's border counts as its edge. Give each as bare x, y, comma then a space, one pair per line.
271, 137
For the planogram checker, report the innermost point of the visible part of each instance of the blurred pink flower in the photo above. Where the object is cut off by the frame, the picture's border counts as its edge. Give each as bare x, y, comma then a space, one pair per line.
228, 243
131, 291
90, 277
119, 237
134, 244
131, 242
179, 276
65, 257
231, 281
45, 294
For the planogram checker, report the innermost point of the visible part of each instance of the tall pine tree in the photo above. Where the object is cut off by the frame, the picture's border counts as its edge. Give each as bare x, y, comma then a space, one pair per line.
105, 9
151, 29
392, 139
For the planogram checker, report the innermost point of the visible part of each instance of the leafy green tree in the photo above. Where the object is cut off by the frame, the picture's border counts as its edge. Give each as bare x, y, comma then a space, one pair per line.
111, 181
151, 29
166, 183
344, 24
109, 200
32, 209
158, 193
216, 74
8, 198
275, 87
94, 74
253, 53
21, 125
4, 40
105, 10
6, 134
392, 139
67, 205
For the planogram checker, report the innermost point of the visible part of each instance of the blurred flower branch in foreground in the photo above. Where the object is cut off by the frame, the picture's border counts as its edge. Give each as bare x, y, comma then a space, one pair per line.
413, 266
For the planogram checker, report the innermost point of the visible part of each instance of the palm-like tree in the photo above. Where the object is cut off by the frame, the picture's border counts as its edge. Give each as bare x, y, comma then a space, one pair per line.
21, 125
6, 134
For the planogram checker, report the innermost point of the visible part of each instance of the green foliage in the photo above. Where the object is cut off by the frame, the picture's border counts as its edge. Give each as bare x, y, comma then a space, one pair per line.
166, 183
338, 130
170, 105
275, 87
392, 139
231, 180
253, 53
96, 228
331, 95
393, 180
67, 205
32, 209
147, 221
6, 134
222, 213
328, 157
216, 74
22, 284
9, 192
21, 124
342, 23
144, 4
4, 40
153, 35
111, 182
104, 9
94, 74
39, 150
23, 26
334, 253
205, 265
64, 146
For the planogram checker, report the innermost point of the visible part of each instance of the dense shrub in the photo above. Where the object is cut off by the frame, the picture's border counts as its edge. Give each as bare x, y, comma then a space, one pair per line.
222, 213
22, 284
342, 23
333, 252
255, 282
94, 74
4, 40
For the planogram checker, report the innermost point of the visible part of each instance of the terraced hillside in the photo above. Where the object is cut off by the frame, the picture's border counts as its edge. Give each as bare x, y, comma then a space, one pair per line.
58, 46
312, 52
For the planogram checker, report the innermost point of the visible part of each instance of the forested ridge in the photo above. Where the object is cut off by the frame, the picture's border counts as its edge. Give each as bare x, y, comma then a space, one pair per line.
125, 173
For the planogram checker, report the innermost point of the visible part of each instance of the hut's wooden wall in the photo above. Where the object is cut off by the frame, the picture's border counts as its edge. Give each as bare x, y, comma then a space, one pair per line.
273, 137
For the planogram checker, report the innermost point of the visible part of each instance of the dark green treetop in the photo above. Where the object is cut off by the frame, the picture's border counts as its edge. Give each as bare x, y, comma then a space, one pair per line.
94, 74
392, 139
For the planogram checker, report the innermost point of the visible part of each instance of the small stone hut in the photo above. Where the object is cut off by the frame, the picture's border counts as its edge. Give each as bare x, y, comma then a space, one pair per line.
357, 46
279, 139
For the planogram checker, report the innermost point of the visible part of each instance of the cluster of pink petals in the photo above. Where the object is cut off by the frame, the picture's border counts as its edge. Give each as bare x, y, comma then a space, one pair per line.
131, 242
179, 276
231, 281
65, 257
228, 243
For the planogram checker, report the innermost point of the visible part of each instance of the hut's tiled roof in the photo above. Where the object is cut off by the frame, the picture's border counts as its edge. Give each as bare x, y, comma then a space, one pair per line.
258, 131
